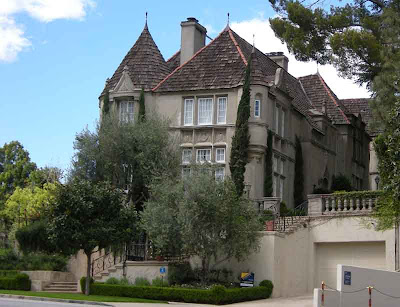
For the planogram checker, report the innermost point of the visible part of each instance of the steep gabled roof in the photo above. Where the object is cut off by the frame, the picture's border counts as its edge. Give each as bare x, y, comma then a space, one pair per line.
320, 94
146, 65
217, 65
174, 61
361, 106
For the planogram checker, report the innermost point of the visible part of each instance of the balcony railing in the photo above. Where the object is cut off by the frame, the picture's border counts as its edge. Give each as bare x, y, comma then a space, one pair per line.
358, 202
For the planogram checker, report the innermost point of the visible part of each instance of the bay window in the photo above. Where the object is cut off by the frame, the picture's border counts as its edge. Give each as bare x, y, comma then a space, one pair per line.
205, 111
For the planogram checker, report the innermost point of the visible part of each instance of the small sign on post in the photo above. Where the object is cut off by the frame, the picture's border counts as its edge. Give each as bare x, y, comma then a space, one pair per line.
347, 278
162, 272
247, 279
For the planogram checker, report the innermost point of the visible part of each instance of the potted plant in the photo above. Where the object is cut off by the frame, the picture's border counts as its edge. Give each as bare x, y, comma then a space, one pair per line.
267, 217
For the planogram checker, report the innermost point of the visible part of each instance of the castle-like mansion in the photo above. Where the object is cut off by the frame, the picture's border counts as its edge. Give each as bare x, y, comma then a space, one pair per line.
200, 86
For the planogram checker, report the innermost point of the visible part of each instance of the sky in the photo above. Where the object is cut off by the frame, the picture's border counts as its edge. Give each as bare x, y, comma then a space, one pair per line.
55, 56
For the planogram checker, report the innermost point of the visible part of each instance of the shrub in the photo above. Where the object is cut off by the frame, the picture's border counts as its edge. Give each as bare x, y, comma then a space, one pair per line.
124, 281
141, 282
216, 295
180, 273
8, 273
34, 238
83, 283
341, 183
112, 281
267, 284
17, 282
9, 260
159, 282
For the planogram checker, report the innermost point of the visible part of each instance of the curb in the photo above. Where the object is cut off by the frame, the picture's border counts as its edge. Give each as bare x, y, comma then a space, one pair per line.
49, 299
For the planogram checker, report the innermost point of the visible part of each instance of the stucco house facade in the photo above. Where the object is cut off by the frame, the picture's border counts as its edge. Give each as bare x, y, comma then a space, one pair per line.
199, 88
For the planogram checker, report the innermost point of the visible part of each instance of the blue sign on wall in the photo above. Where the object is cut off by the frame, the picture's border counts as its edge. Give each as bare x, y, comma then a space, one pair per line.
347, 278
162, 270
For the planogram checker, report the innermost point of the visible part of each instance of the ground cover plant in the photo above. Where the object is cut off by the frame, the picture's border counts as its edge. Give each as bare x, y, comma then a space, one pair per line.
9, 260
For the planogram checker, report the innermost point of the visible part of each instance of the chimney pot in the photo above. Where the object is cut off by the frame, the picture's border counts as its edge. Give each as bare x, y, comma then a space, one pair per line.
193, 38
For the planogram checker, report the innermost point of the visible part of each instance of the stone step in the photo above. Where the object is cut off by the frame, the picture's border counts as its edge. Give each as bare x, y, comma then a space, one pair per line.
60, 286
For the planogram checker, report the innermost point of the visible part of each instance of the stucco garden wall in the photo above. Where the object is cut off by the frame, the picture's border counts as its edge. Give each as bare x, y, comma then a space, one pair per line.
289, 260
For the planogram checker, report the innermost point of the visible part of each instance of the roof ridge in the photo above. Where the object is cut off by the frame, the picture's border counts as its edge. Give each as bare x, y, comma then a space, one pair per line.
173, 55
237, 45
333, 99
182, 65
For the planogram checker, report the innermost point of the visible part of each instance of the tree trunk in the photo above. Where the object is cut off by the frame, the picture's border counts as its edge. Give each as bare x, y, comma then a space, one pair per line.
87, 285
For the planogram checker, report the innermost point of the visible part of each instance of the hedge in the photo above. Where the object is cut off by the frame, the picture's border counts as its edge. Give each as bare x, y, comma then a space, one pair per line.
218, 295
17, 282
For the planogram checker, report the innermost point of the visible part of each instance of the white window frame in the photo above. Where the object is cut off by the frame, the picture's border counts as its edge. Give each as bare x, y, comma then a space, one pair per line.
205, 120
188, 114
186, 153
126, 111
257, 108
218, 153
208, 155
224, 101
220, 174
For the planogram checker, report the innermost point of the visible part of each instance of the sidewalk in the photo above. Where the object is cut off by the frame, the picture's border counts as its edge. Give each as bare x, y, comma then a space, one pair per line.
300, 301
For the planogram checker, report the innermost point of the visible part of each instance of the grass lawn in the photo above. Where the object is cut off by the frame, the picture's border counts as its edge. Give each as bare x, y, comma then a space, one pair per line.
79, 296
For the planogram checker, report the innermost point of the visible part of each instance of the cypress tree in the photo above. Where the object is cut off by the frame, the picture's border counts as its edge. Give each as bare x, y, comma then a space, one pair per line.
298, 175
142, 109
241, 138
268, 188
106, 103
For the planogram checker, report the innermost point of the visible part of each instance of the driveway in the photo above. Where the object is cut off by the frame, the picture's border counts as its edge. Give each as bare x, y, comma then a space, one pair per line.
300, 301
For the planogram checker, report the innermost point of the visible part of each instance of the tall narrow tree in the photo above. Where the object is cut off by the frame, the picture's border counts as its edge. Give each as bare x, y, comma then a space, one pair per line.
142, 108
106, 104
298, 193
268, 189
241, 139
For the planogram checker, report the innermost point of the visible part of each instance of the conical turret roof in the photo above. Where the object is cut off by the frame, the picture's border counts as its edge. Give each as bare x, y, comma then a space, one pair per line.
146, 65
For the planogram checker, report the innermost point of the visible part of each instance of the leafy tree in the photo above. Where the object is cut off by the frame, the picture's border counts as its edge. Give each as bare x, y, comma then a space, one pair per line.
130, 155
202, 217
47, 174
298, 193
142, 108
15, 168
241, 138
268, 185
34, 238
86, 215
29, 204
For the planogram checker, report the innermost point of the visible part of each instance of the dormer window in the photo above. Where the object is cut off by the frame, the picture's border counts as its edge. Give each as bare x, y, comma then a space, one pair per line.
126, 111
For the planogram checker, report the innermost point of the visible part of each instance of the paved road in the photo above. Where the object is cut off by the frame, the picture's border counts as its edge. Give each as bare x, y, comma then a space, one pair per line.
301, 301
11, 302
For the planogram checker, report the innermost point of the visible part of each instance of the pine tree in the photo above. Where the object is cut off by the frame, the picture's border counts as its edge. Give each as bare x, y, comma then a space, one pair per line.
142, 109
268, 189
298, 175
241, 139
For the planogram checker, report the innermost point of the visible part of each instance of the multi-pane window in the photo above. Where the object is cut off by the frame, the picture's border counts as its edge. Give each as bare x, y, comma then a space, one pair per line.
205, 111
280, 118
257, 106
203, 155
188, 112
221, 110
220, 174
220, 155
277, 108
279, 177
186, 156
126, 111
186, 172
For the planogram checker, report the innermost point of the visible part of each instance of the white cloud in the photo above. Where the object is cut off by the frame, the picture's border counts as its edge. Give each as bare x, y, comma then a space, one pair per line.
266, 41
12, 39
12, 36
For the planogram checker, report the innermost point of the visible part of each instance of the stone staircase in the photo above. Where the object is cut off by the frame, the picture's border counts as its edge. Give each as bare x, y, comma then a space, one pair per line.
290, 224
62, 286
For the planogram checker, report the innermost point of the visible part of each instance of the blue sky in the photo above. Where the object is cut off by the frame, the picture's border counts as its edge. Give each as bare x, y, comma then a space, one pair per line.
55, 56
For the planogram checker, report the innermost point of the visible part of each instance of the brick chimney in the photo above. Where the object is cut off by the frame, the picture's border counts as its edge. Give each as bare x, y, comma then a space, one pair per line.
193, 37
279, 58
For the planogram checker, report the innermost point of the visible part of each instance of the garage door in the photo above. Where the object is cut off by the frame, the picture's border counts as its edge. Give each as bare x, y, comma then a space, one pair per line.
364, 254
